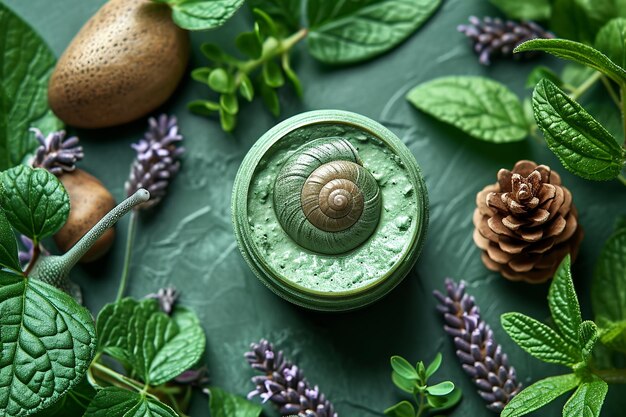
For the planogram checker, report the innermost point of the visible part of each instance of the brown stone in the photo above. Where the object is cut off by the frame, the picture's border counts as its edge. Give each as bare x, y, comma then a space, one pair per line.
125, 62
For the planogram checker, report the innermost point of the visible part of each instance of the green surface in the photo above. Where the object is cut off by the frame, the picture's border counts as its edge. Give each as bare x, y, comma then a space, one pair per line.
188, 240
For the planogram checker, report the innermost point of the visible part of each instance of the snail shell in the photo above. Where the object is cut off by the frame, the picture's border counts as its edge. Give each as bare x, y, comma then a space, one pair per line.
324, 198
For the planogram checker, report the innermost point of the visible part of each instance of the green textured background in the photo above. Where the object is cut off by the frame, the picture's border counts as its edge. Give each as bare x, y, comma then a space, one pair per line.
188, 240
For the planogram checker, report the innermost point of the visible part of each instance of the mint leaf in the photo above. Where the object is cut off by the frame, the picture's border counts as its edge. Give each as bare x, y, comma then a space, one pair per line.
8, 246
202, 14
539, 394
223, 404
34, 201
583, 145
47, 344
403, 368
611, 41
402, 409
157, 346
577, 52
74, 403
587, 400
482, 108
539, 340
25, 69
564, 305
524, 10
352, 31
588, 336
118, 402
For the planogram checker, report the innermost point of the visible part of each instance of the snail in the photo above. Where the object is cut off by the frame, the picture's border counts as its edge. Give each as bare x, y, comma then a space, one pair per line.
324, 198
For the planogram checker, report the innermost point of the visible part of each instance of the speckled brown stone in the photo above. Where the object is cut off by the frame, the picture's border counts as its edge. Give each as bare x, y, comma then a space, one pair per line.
125, 61
89, 202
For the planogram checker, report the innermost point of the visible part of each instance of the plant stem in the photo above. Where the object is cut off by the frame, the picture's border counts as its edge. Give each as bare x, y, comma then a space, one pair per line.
272, 48
612, 376
580, 90
422, 405
104, 370
130, 238
33, 260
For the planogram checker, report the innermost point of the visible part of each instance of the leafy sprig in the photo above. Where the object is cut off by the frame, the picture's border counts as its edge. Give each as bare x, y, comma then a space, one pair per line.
414, 380
569, 342
335, 33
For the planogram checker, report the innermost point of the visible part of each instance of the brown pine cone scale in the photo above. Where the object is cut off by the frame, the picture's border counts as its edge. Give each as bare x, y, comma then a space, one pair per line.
526, 223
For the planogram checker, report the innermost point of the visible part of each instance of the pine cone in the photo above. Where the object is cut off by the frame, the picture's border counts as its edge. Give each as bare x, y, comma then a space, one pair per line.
526, 223
495, 37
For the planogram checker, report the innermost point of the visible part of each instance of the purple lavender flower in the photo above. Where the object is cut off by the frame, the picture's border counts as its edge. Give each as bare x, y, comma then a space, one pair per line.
284, 384
157, 159
56, 153
481, 357
167, 298
495, 37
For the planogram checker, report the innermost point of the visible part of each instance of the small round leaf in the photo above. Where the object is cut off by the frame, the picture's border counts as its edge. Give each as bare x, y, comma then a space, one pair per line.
221, 81
250, 44
201, 74
245, 88
442, 388
403, 368
229, 103
272, 74
203, 107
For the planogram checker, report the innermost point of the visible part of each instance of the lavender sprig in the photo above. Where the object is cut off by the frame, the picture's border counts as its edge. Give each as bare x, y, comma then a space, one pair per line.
495, 37
158, 159
56, 153
167, 298
284, 384
480, 355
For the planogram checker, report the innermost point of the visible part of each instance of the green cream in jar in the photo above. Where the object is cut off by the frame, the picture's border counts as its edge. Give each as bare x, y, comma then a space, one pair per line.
330, 210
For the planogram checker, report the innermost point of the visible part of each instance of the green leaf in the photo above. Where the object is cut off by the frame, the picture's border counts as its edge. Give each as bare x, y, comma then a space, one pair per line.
608, 291
583, 145
571, 20
539, 394
611, 41
229, 103
441, 389
74, 403
524, 10
245, 88
539, 73
403, 368
480, 107
576, 52
34, 201
224, 404
613, 334
201, 74
563, 303
445, 402
270, 98
118, 402
434, 366
25, 69
352, 31
272, 74
250, 44
204, 107
221, 81
46, 344
158, 347
588, 336
587, 400
203, 14
8, 246
576, 74
539, 340
402, 409
406, 385
212, 52
228, 121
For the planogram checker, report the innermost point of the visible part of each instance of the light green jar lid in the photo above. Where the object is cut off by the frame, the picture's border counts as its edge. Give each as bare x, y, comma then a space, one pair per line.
330, 210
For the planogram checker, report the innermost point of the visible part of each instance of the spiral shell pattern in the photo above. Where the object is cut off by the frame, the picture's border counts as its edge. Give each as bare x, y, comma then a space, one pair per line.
325, 200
